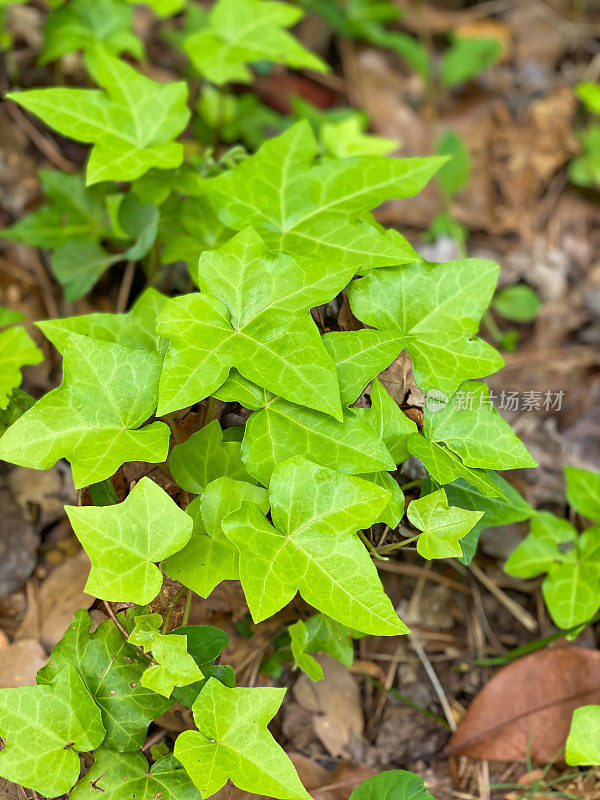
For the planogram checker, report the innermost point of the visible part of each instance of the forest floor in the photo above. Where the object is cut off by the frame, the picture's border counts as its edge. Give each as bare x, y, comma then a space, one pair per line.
396, 707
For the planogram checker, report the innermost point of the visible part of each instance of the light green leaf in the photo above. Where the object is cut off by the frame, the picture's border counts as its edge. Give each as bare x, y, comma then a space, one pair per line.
9, 317
123, 776
162, 8
394, 511
132, 124
389, 423
444, 466
319, 211
393, 785
467, 57
135, 329
256, 318
347, 138
437, 309
17, 350
124, 541
359, 356
443, 526
572, 588
589, 93
232, 742
312, 547
282, 430
18, 403
583, 742
454, 174
107, 392
71, 211
320, 634
209, 557
111, 669
44, 727
174, 667
534, 556
204, 457
583, 492
244, 31
545, 525
518, 303
82, 25
475, 431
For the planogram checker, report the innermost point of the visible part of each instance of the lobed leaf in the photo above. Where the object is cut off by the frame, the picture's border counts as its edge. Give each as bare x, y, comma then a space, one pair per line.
232, 742
124, 541
108, 391
442, 525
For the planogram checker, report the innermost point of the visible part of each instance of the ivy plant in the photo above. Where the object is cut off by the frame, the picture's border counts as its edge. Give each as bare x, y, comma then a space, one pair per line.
570, 560
241, 262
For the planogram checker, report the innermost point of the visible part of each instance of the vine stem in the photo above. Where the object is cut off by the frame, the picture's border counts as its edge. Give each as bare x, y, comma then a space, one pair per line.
113, 616
411, 484
370, 547
188, 607
173, 426
387, 548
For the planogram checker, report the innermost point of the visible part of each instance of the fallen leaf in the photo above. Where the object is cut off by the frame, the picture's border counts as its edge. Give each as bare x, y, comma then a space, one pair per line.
58, 598
19, 663
529, 704
18, 545
336, 703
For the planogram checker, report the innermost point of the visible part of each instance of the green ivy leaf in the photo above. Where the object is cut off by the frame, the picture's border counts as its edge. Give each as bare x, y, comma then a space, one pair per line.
122, 776
107, 392
174, 667
518, 303
18, 403
124, 541
393, 785
583, 492
437, 309
9, 317
583, 744
359, 356
135, 329
112, 670
162, 8
78, 264
209, 557
320, 634
319, 211
347, 138
389, 423
132, 124
454, 174
204, 643
394, 511
82, 25
44, 727
467, 57
445, 466
442, 525
71, 211
17, 350
232, 742
253, 313
572, 588
533, 557
204, 457
312, 547
244, 31
470, 427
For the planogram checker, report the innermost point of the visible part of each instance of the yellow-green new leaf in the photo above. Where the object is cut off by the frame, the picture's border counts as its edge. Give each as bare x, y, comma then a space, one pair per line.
312, 547
209, 557
174, 667
132, 124
319, 210
17, 350
135, 329
583, 742
437, 309
44, 727
125, 541
583, 492
442, 525
108, 391
240, 32
232, 742
254, 314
